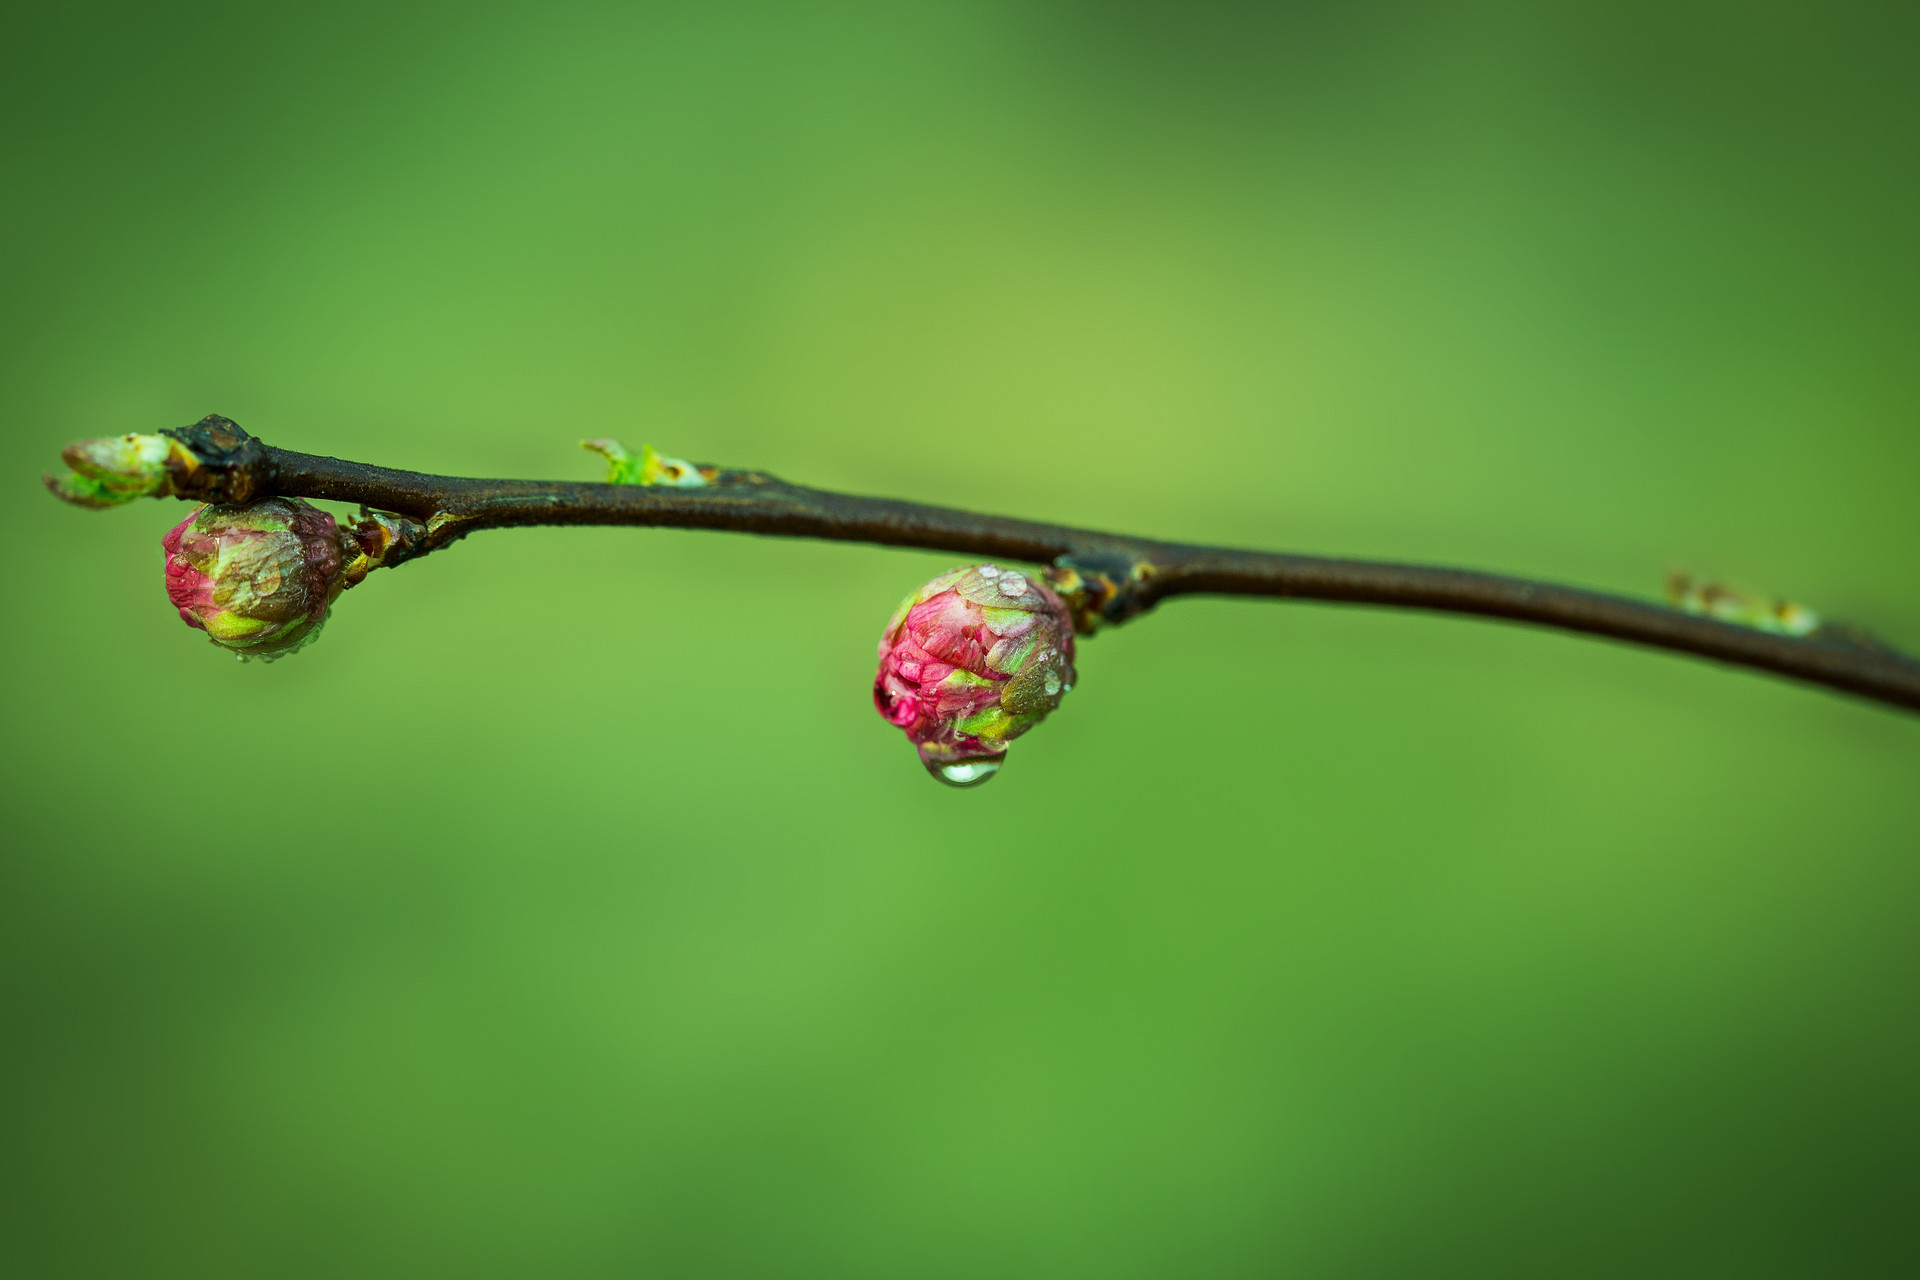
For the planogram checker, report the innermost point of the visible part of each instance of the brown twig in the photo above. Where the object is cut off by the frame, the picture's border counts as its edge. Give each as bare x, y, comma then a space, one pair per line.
1111, 576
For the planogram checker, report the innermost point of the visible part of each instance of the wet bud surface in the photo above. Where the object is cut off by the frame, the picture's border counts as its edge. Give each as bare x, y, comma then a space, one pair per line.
258, 578
971, 661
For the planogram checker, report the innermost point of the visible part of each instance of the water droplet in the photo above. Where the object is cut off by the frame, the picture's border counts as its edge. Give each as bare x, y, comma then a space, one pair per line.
989, 571
1066, 688
1013, 584
966, 773
1052, 683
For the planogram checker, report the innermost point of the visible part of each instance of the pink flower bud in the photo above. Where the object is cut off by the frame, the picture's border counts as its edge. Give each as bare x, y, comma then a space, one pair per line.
970, 662
258, 578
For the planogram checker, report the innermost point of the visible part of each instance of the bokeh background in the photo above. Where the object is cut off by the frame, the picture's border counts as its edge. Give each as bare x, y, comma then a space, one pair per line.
566, 910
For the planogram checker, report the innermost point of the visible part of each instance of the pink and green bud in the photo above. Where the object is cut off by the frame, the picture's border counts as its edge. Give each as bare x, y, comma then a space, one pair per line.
970, 662
258, 578
110, 470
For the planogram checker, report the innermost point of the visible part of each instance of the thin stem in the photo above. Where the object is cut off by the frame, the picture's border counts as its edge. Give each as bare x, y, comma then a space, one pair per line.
1106, 577
750, 502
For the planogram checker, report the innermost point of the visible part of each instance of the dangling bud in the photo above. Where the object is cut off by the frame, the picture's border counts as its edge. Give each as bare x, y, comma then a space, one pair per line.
258, 578
970, 662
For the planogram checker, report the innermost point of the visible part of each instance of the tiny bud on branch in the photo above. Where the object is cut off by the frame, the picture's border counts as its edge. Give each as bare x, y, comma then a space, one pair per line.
1763, 613
650, 468
110, 470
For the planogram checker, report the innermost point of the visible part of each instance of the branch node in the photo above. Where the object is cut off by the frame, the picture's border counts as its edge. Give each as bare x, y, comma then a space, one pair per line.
218, 462
380, 540
1102, 588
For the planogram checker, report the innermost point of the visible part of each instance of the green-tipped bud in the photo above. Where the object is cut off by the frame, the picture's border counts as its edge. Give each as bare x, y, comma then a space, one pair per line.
1763, 613
648, 467
110, 470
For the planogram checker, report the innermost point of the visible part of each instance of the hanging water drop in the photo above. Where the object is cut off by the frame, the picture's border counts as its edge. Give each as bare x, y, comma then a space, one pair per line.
965, 773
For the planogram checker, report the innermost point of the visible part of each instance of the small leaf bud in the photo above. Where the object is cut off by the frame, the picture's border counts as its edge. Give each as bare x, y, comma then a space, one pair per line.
651, 467
1763, 613
110, 470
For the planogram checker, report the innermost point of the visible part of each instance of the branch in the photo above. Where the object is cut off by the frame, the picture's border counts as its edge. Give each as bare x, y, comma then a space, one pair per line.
1107, 577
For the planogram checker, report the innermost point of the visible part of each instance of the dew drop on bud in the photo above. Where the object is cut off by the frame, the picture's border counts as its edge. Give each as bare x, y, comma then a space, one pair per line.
966, 773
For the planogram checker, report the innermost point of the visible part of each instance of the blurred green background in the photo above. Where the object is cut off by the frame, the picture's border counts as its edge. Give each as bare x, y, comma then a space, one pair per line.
567, 910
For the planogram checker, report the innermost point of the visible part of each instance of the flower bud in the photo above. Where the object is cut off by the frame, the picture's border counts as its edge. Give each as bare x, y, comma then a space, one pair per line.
970, 662
258, 578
